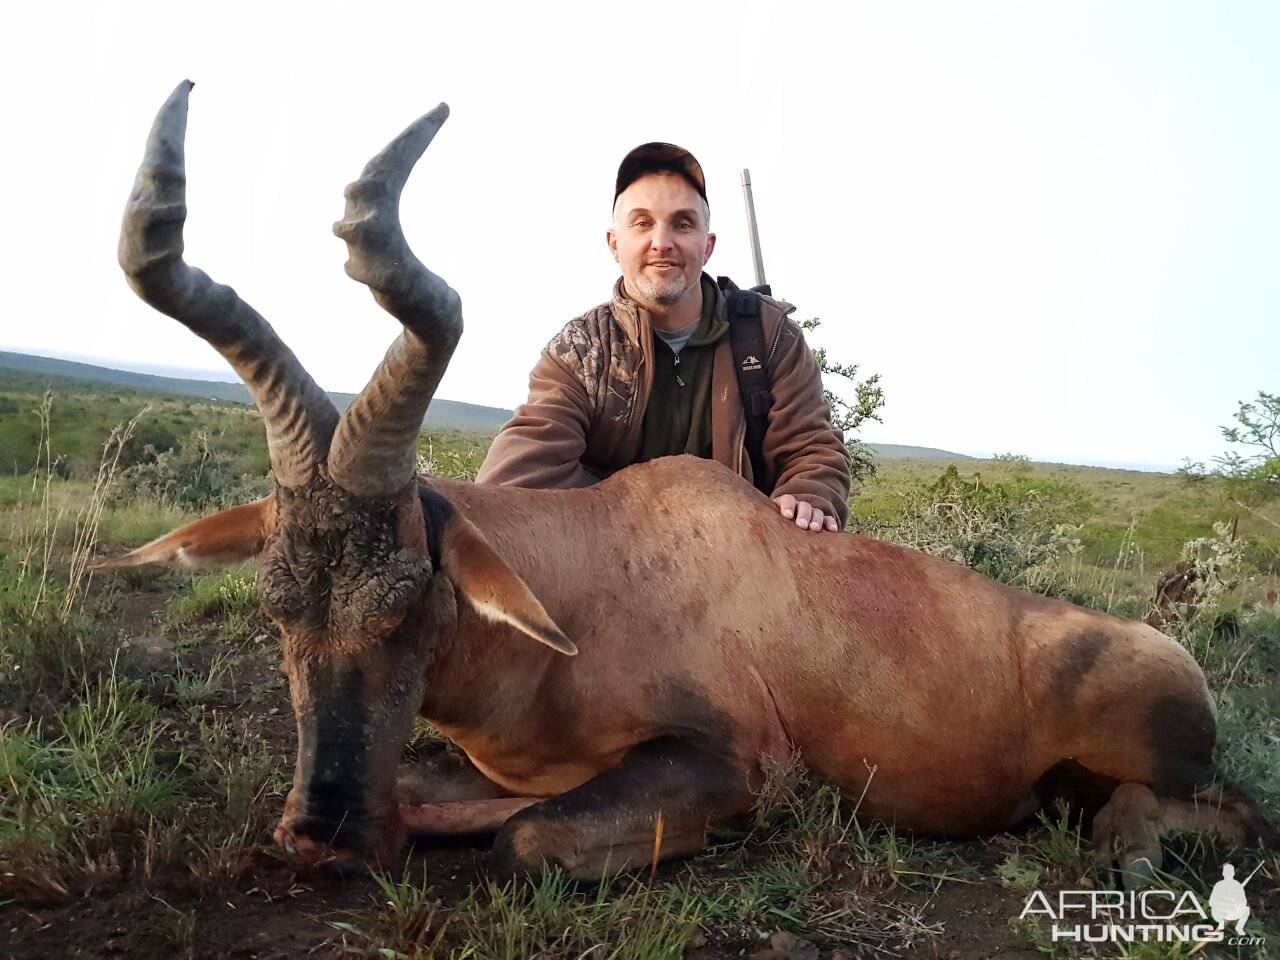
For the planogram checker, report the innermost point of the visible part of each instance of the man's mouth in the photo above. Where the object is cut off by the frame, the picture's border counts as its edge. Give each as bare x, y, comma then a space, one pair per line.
664, 264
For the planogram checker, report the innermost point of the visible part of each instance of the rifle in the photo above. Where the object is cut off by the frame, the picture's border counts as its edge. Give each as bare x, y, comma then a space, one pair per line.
746, 336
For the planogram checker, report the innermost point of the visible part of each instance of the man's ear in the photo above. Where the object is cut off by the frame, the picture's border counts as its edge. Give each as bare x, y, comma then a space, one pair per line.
611, 238
225, 538
711, 245
495, 590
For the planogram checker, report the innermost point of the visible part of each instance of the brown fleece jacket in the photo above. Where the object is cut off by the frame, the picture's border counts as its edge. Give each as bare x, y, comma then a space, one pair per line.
589, 390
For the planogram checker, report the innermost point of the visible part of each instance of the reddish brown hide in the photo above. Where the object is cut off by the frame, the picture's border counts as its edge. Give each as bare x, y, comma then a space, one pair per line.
708, 638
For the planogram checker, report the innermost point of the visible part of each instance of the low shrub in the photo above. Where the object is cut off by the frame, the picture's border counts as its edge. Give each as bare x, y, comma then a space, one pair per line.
1014, 530
192, 475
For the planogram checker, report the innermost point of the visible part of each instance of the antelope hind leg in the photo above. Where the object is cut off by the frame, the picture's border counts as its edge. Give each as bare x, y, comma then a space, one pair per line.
461, 817
444, 778
659, 800
1128, 829
444, 795
1126, 833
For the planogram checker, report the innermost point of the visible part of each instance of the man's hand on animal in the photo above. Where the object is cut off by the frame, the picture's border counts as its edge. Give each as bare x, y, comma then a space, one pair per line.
806, 516
602, 678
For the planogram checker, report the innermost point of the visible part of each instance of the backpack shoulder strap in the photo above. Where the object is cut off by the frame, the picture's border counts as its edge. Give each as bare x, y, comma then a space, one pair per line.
746, 334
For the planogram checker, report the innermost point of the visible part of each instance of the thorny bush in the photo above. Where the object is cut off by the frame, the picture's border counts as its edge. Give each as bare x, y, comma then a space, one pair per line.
1015, 530
193, 475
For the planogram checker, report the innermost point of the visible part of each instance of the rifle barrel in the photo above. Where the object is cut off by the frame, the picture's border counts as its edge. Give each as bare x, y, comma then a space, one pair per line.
756, 258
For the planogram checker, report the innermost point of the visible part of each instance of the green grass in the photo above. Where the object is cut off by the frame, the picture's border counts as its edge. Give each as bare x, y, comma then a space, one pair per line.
227, 602
547, 917
101, 785
42, 651
817, 825
135, 522
452, 454
424, 739
1239, 651
552, 916
70, 792
15, 489
1058, 847
234, 768
629, 918
192, 686
41, 514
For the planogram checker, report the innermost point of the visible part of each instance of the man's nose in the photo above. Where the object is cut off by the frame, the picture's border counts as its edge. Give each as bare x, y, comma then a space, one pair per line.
661, 237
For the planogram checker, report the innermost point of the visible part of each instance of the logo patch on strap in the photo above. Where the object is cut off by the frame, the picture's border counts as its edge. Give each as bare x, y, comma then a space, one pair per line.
751, 362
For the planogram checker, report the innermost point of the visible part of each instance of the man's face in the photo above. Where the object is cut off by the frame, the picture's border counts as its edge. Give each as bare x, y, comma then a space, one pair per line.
660, 238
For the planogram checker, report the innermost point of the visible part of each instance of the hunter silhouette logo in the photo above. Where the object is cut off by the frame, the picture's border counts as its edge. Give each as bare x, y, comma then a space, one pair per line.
1227, 902
751, 362
1149, 915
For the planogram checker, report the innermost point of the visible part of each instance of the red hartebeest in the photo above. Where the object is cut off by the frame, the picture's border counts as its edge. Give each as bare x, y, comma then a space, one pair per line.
615, 654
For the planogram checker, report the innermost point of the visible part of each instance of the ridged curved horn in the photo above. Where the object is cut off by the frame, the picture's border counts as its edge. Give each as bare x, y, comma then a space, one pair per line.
299, 418
374, 451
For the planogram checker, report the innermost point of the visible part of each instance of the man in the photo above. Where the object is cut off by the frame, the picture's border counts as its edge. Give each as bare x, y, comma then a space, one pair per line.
652, 372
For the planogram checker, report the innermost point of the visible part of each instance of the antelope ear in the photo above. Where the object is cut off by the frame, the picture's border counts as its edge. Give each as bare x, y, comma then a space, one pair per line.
228, 537
493, 588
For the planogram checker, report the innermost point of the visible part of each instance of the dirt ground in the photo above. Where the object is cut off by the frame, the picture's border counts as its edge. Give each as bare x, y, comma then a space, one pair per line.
277, 915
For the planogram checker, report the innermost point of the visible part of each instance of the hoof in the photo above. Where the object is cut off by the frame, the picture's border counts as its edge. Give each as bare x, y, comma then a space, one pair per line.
344, 855
311, 855
527, 847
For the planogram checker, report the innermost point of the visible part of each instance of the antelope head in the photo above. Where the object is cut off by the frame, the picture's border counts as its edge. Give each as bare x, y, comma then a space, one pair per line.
348, 561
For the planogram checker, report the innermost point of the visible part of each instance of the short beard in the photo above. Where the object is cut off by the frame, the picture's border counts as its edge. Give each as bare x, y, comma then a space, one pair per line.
664, 296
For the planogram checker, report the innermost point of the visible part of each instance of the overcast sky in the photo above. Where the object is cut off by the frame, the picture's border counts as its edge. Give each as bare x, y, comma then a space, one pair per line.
1052, 228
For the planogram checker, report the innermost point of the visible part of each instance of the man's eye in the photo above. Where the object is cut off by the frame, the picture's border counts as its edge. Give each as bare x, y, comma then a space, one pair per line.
642, 224
684, 225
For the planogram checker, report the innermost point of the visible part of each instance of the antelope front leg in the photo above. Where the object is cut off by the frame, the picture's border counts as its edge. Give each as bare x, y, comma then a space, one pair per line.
659, 800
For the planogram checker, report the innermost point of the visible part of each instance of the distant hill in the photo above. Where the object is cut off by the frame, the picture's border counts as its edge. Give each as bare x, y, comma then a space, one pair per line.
444, 414
901, 451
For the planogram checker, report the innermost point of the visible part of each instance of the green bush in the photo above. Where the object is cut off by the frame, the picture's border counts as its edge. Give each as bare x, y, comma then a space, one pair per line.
1010, 530
194, 476
451, 454
149, 439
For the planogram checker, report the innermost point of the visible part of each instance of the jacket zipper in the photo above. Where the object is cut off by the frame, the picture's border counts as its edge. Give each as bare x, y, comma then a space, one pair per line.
776, 337
641, 392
